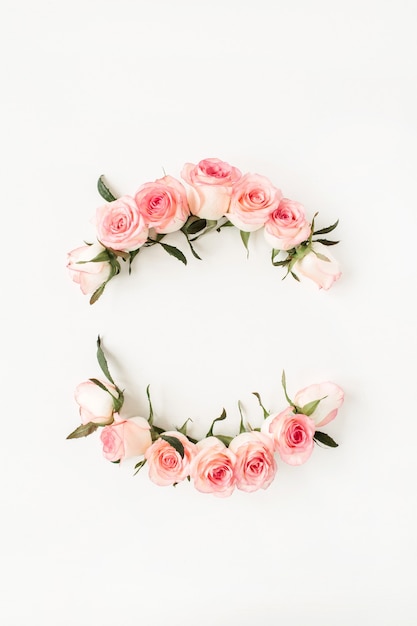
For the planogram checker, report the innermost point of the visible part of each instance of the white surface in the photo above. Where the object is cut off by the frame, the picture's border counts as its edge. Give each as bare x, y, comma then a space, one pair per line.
321, 98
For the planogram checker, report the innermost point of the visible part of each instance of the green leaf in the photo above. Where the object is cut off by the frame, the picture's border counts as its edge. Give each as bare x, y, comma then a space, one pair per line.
324, 231
132, 255
99, 258
148, 393
102, 361
327, 242
309, 408
219, 224
124, 255
325, 439
194, 253
266, 413
174, 252
218, 419
175, 443
183, 429
98, 292
139, 466
294, 276
284, 386
224, 439
104, 191
192, 227
242, 428
322, 257
245, 238
83, 430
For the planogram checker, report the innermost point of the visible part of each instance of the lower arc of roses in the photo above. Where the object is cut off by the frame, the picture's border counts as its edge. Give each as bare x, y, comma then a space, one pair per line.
217, 463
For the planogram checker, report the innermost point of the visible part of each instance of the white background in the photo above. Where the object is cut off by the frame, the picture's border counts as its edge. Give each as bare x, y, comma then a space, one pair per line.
321, 98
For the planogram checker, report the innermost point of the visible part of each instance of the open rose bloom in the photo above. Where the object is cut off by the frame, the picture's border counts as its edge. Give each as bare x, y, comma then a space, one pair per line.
163, 204
210, 185
165, 464
287, 226
120, 225
255, 465
125, 438
253, 199
212, 468
292, 434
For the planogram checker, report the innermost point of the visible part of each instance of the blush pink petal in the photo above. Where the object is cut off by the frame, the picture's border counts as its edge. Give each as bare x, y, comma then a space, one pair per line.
209, 202
126, 438
326, 411
323, 272
96, 405
210, 172
88, 275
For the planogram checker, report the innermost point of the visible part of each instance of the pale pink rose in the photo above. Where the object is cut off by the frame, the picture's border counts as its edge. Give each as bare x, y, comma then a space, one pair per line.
96, 405
255, 464
165, 464
292, 434
210, 172
287, 226
327, 408
120, 225
209, 202
212, 469
163, 204
253, 199
126, 438
317, 268
210, 188
89, 275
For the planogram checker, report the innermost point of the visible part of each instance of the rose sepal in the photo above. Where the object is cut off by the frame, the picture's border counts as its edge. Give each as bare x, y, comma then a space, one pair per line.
84, 430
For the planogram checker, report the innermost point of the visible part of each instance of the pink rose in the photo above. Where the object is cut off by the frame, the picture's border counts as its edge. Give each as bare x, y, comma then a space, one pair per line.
327, 408
292, 434
209, 202
255, 464
318, 265
126, 438
287, 227
210, 187
120, 225
210, 172
166, 466
96, 405
89, 275
163, 204
212, 469
253, 199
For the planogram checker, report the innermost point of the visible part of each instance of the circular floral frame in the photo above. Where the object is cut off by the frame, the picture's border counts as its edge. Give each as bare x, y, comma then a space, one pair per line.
211, 196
